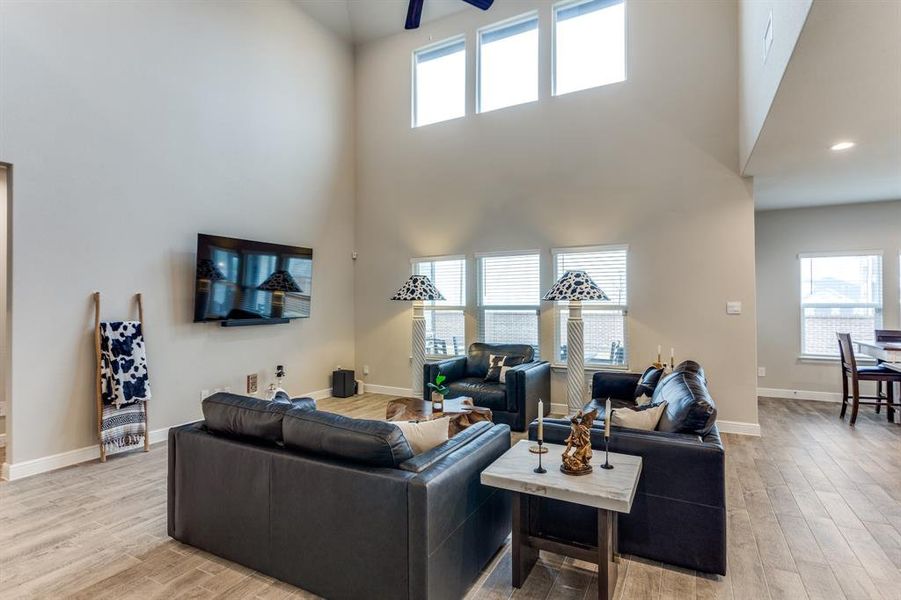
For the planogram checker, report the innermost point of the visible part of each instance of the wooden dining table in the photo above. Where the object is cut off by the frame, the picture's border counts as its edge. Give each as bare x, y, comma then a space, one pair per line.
886, 352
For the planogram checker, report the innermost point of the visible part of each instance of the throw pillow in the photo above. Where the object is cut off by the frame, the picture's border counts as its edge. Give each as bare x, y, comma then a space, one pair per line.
509, 363
645, 420
645, 387
499, 365
424, 435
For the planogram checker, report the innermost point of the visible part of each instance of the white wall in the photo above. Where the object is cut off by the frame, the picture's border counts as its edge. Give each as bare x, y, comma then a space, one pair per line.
759, 79
651, 162
132, 126
781, 236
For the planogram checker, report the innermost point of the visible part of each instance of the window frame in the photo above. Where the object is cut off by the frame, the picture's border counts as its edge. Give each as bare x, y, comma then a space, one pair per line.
528, 16
481, 307
429, 304
879, 307
564, 4
447, 42
558, 306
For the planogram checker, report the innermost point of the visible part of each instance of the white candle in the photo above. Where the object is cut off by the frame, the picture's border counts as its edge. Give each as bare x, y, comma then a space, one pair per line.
541, 420
608, 416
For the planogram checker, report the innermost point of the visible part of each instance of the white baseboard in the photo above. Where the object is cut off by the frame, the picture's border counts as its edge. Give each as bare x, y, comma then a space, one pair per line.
738, 427
44, 464
372, 388
799, 394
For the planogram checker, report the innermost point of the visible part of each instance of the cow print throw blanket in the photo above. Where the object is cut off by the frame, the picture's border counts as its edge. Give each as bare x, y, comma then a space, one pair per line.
124, 386
123, 363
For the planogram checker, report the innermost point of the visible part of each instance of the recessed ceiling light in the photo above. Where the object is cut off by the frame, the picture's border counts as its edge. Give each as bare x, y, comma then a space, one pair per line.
842, 146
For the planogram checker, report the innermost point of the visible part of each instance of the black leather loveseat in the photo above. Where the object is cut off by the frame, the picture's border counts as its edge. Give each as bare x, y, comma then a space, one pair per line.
337, 506
515, 401
679, 513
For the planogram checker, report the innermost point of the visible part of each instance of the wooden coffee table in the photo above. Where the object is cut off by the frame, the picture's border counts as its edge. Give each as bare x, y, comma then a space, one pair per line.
462, 412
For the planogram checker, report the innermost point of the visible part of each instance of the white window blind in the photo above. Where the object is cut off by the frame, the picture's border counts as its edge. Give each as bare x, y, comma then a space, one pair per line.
509, 296
445, 320
589, 44
508, 63
605, 340
840, 293
439, 82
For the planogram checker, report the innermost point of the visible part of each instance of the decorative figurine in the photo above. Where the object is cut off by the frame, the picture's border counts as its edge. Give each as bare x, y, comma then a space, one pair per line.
577, 453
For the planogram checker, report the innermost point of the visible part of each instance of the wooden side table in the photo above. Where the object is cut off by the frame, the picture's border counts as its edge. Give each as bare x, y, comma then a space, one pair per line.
609, 491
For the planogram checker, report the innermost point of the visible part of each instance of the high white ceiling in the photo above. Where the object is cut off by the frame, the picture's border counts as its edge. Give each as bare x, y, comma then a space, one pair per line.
359, 21
842, 83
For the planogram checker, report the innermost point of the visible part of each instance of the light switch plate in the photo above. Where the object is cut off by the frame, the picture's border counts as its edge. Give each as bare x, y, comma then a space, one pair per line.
733, 307
761, 371
252, 383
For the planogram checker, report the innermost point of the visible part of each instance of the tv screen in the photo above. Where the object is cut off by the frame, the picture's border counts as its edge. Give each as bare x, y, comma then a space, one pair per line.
243, 280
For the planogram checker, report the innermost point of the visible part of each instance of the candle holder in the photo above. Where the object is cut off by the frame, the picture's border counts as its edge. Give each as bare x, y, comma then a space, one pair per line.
538, 448
541, 450
606, 464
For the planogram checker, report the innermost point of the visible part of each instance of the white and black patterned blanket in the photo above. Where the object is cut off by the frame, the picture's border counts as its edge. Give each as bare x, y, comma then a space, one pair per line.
122, 428
123, 364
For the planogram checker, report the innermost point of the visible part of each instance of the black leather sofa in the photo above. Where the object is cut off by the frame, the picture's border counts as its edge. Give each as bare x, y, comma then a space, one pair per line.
514, 402
337, 506
679, 513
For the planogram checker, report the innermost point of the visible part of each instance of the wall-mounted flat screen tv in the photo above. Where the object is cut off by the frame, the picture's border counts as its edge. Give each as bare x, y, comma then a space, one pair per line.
243, 281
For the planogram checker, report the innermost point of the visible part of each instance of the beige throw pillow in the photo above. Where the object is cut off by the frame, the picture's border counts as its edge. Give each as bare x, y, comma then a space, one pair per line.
424, 435
638, 419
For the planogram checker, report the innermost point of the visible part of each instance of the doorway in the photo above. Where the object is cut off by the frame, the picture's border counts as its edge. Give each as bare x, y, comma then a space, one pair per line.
5, 213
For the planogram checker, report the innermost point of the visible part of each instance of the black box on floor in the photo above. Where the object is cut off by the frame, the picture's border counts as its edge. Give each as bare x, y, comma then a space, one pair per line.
343, 384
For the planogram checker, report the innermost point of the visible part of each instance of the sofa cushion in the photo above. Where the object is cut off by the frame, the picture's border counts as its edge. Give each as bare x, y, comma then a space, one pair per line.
648, 382
424, 435
243, 416
689, 407
483, 393
373, 443
477, 356
646, 420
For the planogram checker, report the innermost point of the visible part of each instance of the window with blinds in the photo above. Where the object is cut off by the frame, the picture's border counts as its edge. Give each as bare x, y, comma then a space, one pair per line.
605, 340
508, 63
589, 44
439, 82
509, 296
840, 293
445, 319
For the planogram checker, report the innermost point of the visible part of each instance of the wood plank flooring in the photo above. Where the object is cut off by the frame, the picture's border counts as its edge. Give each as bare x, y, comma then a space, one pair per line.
814, 512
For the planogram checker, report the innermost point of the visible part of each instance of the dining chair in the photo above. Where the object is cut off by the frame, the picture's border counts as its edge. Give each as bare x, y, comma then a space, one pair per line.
877, 373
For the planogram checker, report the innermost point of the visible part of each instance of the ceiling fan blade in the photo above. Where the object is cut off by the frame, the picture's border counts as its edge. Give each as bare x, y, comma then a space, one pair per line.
483, 4
414, 13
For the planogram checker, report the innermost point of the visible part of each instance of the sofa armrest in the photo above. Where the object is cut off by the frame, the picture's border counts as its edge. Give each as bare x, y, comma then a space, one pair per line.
452, 368
456, 524
614, 384
677, 466
421, 462
526, 384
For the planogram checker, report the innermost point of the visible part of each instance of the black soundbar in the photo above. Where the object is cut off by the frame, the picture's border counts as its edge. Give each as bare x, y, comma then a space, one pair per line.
247, 322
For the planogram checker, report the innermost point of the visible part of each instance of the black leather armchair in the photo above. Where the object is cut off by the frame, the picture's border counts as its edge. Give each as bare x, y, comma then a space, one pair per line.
514, 402
679, 513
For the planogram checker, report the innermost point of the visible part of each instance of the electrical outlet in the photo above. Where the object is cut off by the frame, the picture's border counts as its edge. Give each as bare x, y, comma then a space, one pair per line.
252, 383
365, 369
761, 371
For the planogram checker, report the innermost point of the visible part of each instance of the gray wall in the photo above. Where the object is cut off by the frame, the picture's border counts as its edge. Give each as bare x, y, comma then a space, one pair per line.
759, 79
781, 236
651, 162
134, 125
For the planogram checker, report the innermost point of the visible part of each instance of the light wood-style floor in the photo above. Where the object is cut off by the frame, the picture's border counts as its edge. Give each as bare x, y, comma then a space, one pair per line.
814, 512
